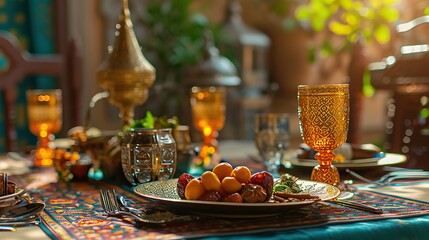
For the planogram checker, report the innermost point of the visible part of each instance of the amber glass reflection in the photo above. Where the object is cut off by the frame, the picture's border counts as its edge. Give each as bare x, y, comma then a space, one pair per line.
44, 108
208, 112
323, 112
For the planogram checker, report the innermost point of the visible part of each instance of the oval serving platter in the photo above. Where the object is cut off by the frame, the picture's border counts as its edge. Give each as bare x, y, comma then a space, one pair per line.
165, 193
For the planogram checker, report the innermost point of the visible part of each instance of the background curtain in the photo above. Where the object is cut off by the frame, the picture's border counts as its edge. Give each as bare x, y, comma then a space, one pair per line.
31, 21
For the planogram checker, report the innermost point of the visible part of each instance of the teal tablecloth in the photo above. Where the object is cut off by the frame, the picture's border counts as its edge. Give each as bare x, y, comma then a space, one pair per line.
389, 229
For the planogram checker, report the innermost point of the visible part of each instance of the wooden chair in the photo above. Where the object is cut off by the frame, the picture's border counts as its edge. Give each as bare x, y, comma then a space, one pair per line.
65, 65
407, 130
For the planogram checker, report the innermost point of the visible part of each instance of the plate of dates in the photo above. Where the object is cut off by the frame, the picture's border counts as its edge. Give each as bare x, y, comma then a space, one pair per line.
166, 194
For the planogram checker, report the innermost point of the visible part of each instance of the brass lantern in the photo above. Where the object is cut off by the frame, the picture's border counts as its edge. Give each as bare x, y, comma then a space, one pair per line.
250, 48
126, 74
214, 69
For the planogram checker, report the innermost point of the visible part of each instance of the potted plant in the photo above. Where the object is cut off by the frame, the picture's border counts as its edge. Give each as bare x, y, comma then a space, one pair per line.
173, 41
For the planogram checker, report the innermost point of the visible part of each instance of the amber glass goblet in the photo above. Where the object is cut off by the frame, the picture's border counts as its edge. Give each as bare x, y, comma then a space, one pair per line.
44, 110
323, 112
208, 113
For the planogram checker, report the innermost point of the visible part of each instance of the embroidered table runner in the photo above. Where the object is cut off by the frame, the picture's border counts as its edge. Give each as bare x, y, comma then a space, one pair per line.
73, 211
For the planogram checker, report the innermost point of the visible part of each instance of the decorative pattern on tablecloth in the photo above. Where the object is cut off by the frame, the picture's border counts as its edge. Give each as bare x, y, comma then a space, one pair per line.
73, 211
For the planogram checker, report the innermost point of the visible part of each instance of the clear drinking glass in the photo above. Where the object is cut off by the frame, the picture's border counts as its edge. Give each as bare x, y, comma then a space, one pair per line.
148, 155
323, 112
44, 109
208, 112
272, 138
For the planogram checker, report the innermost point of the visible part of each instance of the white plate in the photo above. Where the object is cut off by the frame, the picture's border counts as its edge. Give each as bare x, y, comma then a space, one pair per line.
388, 159
165, 193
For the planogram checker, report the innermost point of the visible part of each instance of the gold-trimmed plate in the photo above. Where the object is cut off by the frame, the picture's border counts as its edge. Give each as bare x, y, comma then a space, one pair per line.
165, 193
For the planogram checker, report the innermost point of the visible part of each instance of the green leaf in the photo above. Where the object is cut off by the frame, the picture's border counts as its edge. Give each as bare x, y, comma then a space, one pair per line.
327, 49
367, 89
389, 2
302, 13
382, 34
346, 4
317, 25
149, 120
340, 28
389, 14
311, 55
328, 2
289, 24
424, 113
279, 7
353, 37
350, 18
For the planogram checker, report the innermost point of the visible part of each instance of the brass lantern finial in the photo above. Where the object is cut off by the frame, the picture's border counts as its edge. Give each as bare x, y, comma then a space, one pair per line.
126, 74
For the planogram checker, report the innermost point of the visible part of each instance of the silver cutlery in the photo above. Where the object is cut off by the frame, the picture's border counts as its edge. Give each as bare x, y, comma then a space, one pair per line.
399, 174
111, 207
115, 205
7, 229
19, 223
20, 212
13, 219
154, 215
124, 206
389, 177
359, 206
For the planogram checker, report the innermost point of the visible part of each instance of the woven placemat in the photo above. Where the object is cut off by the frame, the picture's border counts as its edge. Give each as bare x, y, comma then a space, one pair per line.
73, 211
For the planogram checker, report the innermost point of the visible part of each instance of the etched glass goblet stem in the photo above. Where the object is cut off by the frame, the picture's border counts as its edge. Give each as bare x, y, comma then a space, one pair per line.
323, 112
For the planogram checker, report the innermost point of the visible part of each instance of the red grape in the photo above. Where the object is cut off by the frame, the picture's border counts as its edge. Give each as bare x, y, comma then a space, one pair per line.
181, 184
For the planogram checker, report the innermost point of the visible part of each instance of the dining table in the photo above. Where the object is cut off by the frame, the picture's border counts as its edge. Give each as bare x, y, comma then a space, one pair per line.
73, 209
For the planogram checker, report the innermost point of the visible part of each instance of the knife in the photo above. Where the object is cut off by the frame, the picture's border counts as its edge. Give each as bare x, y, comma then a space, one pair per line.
18, 223
7, 229
359, 206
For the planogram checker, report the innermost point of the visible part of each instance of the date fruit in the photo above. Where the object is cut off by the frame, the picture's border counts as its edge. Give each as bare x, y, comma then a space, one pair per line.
265, 180
212, 195
235, 198
252, 193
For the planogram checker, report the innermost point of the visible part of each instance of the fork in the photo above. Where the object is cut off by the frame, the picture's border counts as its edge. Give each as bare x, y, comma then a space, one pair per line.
111, 206
389, 177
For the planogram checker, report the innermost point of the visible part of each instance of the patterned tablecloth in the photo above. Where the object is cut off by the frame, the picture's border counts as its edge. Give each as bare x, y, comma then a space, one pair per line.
73, 211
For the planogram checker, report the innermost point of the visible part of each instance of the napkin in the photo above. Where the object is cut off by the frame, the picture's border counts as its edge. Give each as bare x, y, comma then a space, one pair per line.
410, 190
14, 164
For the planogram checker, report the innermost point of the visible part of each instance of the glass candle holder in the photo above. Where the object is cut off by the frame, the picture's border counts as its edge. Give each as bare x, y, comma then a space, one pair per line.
148, 155
44, 110
208, 114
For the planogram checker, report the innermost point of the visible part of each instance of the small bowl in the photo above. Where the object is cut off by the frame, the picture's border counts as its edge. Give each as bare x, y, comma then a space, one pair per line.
80, 171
